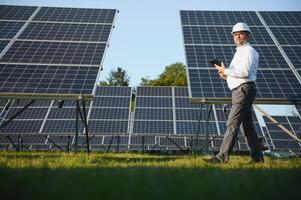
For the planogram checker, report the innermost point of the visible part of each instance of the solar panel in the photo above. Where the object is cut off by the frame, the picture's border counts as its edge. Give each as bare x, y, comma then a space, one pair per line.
281, 18
281, 140
16, 12
153, 111
221, 35
56, 53
215, 18
293, 53
110, 111
9, 29
83, 15
287, 35
207, 35
29, 121
46, 79
66, 32
3, 44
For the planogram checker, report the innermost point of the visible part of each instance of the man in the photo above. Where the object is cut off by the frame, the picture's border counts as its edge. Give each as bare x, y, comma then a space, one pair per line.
240, 76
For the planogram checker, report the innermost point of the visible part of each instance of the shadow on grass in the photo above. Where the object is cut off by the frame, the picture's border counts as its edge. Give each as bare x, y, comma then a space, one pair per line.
149, 183
113, 159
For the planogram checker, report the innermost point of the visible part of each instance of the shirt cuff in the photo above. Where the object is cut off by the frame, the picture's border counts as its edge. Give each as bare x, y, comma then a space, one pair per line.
227, 72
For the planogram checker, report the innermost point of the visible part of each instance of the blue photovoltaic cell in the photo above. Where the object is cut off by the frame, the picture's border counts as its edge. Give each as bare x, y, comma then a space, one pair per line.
164, 102
225, 18
221, 35
113, 102
110, 113
186, 127
3, 44
24, 126
29, 113
16, 12
287, 35
47, 79
113, 91
66, 32
153, 127
55, 53
75, 15
192, 115
108, 127
181, 91
153, 91
9, 29
200, 55
153, 114
61, 127
281, 18
293, 53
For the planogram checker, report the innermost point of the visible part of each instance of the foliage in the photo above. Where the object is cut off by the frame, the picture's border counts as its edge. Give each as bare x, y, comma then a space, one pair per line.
173, 75
117, 77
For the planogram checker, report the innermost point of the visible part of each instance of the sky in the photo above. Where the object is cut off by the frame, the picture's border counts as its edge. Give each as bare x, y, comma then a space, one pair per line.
147, 36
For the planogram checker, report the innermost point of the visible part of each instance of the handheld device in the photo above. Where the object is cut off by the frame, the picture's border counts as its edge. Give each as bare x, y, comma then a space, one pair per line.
215, 62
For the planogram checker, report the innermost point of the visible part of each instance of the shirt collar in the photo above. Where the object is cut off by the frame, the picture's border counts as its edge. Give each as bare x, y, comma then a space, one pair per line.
238, 48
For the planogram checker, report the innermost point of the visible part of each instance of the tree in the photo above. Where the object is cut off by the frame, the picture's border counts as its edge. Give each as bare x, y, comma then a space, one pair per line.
118, 77
173, 75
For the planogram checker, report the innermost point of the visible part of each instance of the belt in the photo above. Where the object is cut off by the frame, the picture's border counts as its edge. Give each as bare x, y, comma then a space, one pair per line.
249, 82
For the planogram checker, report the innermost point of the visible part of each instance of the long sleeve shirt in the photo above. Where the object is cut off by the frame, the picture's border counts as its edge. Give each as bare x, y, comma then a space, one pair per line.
243, 67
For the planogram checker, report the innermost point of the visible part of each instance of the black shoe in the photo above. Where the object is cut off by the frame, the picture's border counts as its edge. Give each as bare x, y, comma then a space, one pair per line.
212, 159
255, 160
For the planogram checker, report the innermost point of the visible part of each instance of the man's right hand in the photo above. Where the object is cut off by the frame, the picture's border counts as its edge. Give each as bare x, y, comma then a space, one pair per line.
222, 76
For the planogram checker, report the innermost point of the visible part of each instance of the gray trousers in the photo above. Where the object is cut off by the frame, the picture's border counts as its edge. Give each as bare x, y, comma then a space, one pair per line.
240, 117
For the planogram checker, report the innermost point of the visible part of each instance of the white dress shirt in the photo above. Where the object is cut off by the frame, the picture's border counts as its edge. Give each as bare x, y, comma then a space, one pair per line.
243, 67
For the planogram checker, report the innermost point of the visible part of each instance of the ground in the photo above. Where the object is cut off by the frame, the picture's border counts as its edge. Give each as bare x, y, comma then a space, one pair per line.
57, 175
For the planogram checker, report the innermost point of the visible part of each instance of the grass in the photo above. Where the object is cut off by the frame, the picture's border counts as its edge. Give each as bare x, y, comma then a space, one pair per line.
56, 175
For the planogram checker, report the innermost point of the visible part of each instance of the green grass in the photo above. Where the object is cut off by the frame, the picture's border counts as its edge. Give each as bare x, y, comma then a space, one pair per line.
56, 175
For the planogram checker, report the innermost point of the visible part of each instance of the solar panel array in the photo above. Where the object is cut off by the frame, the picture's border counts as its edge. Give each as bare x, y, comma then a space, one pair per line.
163, 119
207, 35
50, 50
281, 140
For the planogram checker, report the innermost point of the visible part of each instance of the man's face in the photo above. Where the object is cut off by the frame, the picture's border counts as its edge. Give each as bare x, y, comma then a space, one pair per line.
240, 38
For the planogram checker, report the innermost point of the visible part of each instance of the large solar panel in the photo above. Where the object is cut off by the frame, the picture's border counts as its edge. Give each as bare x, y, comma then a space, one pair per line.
280, 140
154, 111
29, 121
110, 111
55, 52
207, 35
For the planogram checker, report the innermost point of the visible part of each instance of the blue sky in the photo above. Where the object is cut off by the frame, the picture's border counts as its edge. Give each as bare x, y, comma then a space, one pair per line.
147, 35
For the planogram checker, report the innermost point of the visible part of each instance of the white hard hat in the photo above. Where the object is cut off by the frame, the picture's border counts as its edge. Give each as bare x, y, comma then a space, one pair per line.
240, 27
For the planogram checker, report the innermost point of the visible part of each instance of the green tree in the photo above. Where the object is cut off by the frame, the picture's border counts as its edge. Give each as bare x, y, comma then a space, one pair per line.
117, 77
173, 75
